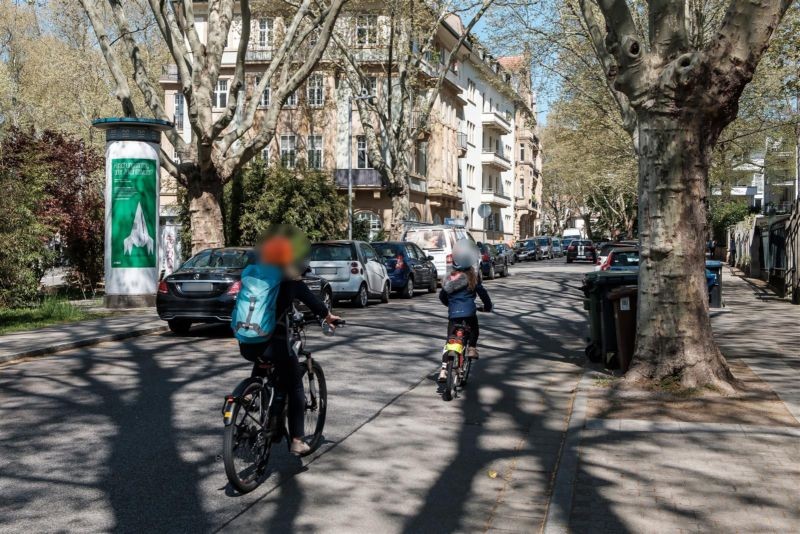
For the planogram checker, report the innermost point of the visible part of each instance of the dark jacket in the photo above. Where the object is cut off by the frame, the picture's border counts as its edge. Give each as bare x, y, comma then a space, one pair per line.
290, 291
460, 300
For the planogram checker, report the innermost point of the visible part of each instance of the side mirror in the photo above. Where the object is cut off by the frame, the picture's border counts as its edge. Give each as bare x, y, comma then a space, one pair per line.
430, 258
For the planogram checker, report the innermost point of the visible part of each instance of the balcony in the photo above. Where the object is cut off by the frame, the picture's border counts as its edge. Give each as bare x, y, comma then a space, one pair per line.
495, 197
169, 73
497, 121
493, 158
370, 55
461, 144
362, 179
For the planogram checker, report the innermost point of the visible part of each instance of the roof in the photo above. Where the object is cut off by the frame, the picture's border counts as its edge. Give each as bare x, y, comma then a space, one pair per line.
512, 62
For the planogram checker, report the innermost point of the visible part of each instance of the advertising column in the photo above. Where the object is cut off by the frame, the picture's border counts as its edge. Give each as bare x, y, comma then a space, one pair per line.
132, 189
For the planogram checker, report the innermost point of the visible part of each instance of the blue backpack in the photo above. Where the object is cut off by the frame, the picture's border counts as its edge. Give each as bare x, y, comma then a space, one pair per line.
253, 318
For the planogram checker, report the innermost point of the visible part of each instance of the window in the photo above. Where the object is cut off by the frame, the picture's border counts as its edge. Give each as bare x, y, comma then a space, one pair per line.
291, 100
372, 219
314, 151
265, 155
371, 86
266, 96
362, 153
288, 151
265, 33
470, 175
470, 90
367, 30
421, 161
221, 94
471, 132
315, 90
368, 251
522, 153
178, 116
414, 215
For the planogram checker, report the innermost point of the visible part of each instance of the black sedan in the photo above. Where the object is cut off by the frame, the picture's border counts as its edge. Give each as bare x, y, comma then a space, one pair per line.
204, 289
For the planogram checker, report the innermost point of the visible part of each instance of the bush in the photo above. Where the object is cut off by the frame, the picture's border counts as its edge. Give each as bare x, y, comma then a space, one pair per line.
273, 195
726, 213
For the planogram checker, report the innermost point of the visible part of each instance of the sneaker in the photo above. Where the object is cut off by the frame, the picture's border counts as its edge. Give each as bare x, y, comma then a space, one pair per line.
472, 353
443, 375
299, 448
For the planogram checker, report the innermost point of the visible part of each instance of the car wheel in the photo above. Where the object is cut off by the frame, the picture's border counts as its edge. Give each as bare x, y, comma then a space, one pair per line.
432, 285
179, 327
408, 291
327, 300
386, 290
362, 298
491, 273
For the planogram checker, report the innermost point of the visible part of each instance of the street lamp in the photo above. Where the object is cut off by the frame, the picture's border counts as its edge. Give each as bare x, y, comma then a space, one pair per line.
364, 96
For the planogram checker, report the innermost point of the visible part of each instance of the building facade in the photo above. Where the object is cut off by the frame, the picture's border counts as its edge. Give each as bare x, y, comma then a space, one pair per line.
477, 162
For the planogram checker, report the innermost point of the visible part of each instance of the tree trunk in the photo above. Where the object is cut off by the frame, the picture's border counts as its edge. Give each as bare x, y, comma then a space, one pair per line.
399, 193
205, 196
674, 338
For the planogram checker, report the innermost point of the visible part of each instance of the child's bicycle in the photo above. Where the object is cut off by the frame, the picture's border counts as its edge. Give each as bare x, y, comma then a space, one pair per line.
458, 365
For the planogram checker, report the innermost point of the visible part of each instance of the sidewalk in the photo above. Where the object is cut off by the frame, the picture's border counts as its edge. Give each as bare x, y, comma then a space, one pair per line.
73, 335
722, 465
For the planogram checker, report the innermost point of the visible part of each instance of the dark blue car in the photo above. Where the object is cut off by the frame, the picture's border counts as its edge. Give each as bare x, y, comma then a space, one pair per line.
409, 268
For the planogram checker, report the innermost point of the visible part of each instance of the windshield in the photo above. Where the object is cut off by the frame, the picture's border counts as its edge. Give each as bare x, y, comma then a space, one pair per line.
388, 250
332, 252
428, 239
530, 244
543, 241
221, 259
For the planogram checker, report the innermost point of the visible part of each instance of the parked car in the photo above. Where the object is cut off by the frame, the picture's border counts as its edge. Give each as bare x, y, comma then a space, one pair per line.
408, 266
438, 241
507, 252
558, 251
603, 250
546, 244
204, 289
353, 269
621, 259
565, 241
492, 262
581, 250
530, 251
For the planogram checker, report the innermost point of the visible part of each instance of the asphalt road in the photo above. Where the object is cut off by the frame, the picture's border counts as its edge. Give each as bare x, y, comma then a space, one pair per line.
126, 436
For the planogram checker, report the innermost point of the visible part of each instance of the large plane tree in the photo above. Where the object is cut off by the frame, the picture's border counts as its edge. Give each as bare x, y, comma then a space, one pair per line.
677, 94
223, 141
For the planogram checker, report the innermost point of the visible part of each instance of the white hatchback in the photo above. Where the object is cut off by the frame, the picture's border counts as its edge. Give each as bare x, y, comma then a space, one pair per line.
438, 241
353, 270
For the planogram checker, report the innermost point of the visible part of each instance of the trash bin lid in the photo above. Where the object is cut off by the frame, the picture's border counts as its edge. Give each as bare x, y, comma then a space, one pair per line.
622, 291
713, 264
617, 278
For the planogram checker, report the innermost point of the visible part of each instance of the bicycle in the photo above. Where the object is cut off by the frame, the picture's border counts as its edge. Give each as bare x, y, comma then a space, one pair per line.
457, 376
254, 415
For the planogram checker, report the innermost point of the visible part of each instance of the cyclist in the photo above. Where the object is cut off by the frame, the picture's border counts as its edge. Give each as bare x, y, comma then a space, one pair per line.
458, 294
279, 250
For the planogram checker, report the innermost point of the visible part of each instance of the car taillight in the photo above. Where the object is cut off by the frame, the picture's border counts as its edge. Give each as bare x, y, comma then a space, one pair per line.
400, 263
607, 264
449, 259
234, 288
571, 248
162, 287
590, 248
485, 257
354, 267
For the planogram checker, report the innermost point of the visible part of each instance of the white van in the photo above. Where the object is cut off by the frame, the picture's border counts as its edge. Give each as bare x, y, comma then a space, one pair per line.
571, 233
438, 241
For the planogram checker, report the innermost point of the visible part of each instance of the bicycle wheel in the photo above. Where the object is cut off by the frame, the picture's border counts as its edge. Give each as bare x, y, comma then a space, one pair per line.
316, 407
245, 450
450, 383
467, 368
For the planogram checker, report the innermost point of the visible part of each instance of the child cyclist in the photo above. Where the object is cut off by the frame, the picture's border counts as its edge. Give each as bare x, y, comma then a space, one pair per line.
458, 294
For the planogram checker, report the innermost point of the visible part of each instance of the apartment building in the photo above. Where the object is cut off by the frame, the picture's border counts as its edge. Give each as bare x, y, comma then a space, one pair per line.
478, 148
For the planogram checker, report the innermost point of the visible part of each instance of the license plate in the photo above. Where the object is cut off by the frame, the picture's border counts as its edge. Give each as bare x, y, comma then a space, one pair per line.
325, 270
197, 287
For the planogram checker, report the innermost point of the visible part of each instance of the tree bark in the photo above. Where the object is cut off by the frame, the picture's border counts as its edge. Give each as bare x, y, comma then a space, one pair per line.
400, 210
205, 210
674, 338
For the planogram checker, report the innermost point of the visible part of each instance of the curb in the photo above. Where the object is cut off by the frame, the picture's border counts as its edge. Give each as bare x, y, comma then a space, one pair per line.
86, 342
558, 509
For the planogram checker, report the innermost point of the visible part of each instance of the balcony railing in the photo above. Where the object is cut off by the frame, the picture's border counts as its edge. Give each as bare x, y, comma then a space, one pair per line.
258, 54
461, 141
495, 158
496, 120
178, 120
498, 197
170, 73
362, 178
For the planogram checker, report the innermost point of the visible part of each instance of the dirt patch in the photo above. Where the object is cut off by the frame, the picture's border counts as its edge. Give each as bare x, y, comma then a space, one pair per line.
756, 404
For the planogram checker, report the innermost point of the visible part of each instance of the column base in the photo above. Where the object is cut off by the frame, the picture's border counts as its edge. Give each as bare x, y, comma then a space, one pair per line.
130, 301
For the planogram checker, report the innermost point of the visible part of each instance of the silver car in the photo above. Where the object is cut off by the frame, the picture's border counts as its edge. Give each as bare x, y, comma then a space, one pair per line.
353, 270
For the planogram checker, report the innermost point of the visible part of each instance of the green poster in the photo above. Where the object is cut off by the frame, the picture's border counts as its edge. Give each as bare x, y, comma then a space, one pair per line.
133, 212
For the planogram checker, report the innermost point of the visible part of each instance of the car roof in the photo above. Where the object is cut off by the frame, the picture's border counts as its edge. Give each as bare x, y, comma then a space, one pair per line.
337, 242
625, 249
